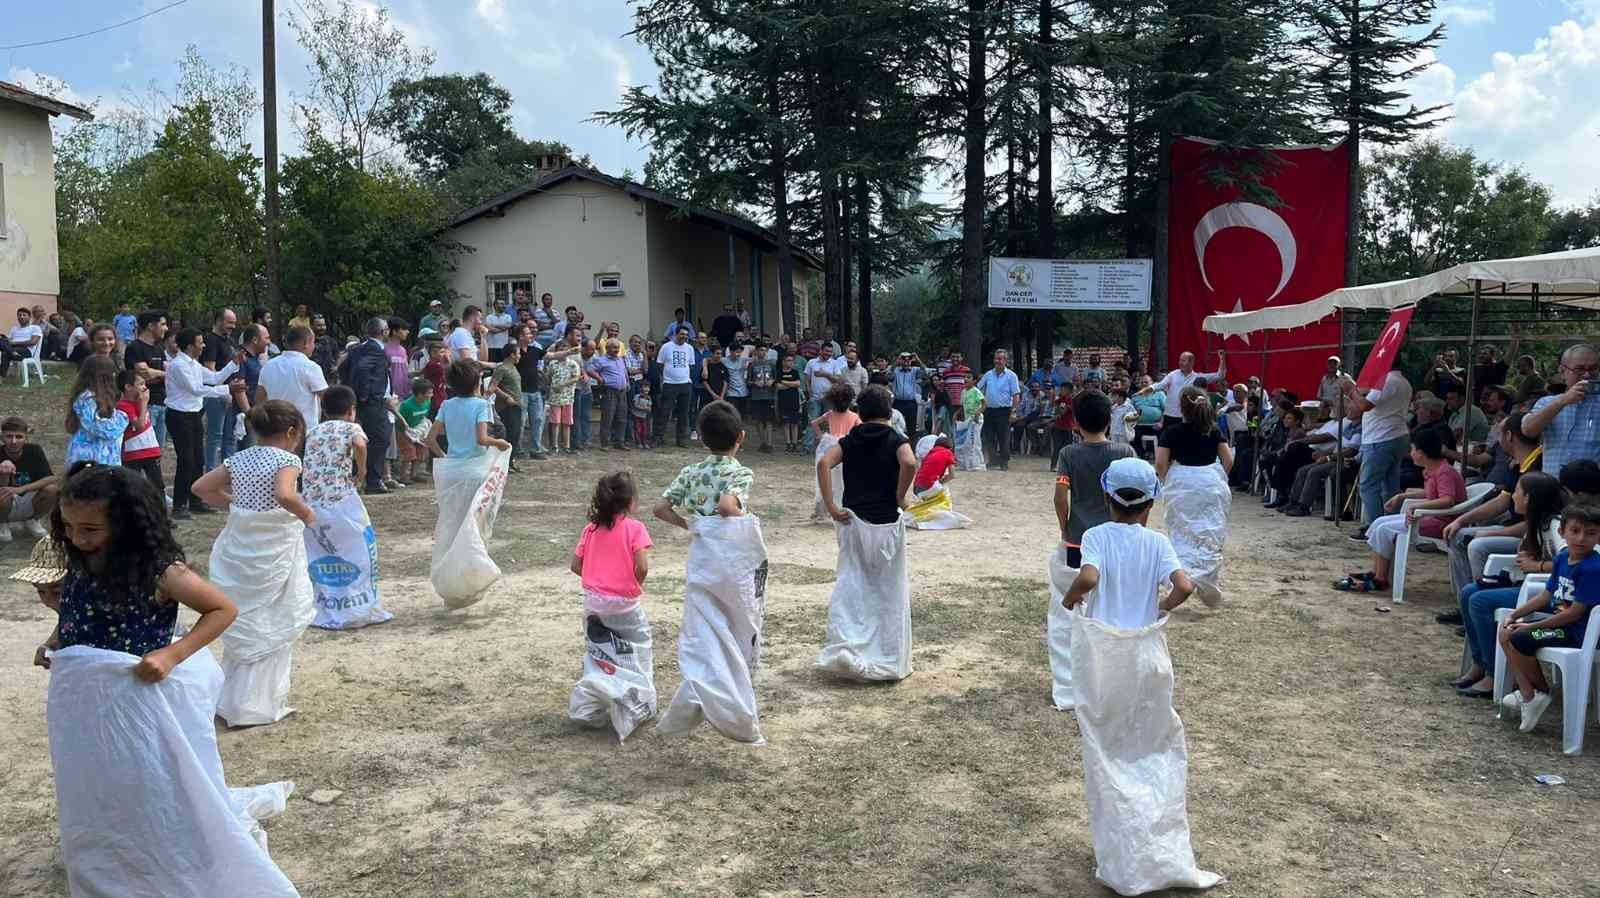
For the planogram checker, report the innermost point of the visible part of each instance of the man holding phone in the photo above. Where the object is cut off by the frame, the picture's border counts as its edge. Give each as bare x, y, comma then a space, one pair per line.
1569, 424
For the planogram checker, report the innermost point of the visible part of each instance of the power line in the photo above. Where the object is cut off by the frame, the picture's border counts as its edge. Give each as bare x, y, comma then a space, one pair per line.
73, 37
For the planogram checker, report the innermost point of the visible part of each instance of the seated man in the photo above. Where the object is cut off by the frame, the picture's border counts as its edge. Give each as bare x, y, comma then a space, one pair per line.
1307, 488
1491, 528
1429, 418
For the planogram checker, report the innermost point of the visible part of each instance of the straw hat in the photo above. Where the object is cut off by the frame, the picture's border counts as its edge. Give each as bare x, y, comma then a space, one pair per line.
47, 564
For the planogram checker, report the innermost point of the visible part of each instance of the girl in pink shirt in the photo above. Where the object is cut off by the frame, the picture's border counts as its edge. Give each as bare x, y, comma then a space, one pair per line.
613, 559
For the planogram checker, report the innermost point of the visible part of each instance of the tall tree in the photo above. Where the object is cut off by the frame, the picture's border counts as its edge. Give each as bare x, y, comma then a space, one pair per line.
1044, 321
975, 145
1366, 50
357, 55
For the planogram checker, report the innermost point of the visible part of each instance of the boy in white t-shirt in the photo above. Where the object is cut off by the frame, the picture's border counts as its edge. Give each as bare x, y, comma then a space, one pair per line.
1125, 563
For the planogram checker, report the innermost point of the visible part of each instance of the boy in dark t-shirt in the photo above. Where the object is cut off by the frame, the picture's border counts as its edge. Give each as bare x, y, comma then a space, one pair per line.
28, 487
1080, 500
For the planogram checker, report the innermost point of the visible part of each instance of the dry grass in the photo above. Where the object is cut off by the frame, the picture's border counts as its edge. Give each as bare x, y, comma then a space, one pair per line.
1326, 758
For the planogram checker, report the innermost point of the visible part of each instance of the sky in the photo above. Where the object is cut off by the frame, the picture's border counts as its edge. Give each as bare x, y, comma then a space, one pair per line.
1519, 74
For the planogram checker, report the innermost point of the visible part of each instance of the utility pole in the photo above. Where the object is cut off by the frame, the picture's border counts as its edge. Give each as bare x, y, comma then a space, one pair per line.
269, 111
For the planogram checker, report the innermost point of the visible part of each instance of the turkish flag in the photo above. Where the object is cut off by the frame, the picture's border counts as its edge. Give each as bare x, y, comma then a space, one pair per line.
1381, 359
1231, 253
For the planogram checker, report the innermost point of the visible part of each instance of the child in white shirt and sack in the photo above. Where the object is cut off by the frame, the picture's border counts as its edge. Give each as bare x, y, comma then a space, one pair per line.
1135, 760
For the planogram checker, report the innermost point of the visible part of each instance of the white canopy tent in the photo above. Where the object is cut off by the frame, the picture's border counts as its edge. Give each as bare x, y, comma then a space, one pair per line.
1570, 278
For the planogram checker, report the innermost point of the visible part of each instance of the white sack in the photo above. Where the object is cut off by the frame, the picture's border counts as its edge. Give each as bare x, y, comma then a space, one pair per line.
468, 491
932, 509
1135, 763
969, 446
618, 684
259, 561
719, 645
1058, 629
343, 552
144, 810
819, 512
925, 445
869, 617
1197, 518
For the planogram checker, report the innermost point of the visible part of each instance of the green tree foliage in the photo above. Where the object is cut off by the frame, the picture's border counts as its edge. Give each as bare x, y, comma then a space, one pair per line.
359, 243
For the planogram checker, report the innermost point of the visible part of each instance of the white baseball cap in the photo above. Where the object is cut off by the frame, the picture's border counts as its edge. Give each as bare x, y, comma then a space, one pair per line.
1130, 474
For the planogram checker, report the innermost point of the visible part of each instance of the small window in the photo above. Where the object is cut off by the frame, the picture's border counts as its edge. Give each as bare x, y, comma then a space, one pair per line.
608, 284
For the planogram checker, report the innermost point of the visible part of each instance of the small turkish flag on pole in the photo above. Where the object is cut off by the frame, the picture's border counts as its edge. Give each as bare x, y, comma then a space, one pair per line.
1384, 353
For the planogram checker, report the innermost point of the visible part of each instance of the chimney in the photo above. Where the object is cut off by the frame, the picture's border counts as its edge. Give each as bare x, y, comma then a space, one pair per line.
551, 162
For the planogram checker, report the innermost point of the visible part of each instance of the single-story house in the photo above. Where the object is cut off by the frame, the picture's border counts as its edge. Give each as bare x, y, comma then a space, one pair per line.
30, 272
619, 251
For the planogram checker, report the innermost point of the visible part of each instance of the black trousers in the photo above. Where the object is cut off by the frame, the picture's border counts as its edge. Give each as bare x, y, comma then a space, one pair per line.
997, 436
188, 430
908, 410
151, 469
373, 415
676, 403
511, 417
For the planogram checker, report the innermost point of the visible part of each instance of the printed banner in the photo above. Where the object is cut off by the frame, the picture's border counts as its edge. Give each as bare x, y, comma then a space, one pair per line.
1121, 285
1230, 253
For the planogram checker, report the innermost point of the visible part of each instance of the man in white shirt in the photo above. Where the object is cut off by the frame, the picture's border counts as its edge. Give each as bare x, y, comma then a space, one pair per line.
677, 393
1385, 441
497, 331
189, 385
294, 378
463, 341
22, 342
1181, 378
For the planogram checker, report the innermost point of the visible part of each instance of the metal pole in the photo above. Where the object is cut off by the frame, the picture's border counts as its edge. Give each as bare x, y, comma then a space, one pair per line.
1338, 450
1266, 359
1472, 361
269, 126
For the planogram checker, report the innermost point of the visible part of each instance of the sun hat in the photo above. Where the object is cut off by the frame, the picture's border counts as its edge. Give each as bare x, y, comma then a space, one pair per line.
46, 564
1130, 474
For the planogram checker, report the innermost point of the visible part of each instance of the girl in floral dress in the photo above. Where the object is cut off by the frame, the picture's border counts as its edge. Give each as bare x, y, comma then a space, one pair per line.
96, 425
342, 547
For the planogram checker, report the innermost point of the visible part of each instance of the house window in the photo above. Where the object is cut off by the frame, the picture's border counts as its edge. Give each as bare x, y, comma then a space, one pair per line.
504, 287
608, 284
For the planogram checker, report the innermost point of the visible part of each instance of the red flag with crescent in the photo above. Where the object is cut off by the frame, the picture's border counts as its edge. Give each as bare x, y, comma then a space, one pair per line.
1231, 253
1384, 352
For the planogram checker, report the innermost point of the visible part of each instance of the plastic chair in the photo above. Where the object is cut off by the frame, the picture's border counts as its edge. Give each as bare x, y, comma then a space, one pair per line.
33, 361
1574, 670
1476, 493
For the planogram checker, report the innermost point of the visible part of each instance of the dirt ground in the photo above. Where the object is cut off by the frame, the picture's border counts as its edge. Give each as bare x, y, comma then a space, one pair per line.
1326, 756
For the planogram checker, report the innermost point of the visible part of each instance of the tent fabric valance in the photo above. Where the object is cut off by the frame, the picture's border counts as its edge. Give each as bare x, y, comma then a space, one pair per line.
1570, 278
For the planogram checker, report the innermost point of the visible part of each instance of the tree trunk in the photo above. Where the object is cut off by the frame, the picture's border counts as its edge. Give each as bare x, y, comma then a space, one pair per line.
864, 266
1160, 273
847, 239
1044, 320
975, 134
780, 206
833, 254
1352, 229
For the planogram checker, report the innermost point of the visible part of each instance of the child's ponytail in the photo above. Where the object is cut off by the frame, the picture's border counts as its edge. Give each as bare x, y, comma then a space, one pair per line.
612, 497
1197, 410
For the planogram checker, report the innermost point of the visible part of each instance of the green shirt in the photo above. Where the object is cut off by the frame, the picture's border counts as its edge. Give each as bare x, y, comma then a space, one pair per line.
507, 377
698, 486
413, 412
971, 402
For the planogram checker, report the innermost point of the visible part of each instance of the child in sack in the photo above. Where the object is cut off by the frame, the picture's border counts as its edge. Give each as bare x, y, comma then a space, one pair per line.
613, 558
725, 585
1123, 562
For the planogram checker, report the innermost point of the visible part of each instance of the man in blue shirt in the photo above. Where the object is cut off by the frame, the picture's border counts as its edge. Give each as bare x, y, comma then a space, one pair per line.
1001, 393
910, 380
126, 324
679, 320
1569, 424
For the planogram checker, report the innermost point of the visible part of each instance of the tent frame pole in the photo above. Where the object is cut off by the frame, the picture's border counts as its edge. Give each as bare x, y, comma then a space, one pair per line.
1472, 360
1338, 454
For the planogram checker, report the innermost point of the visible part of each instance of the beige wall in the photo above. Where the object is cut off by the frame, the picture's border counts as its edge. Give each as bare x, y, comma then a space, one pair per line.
28, 260
563, 238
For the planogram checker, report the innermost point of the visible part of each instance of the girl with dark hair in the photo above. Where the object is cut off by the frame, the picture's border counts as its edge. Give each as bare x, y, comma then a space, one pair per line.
94, 421
1538, 498
259, 560
341, 544
1193, 459
130, 709
103, 343
613, 559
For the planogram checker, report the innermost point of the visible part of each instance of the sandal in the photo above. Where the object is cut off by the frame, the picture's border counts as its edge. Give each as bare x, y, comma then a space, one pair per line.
1365, 583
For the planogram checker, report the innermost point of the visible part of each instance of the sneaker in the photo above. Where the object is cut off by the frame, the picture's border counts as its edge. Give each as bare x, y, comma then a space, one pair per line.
1533, 709
539, 456
1360, 536
1297, 511
181, 514
1448, 617
1512, 701
35, 529
394, 484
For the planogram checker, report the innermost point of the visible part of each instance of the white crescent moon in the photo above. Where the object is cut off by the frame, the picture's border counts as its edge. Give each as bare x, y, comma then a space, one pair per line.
1392, 330
1256, 218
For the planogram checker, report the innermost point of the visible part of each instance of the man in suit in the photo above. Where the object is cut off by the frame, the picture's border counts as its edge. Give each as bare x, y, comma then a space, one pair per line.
365, 370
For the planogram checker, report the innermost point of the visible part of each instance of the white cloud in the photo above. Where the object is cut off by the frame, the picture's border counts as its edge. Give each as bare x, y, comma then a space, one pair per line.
1536, 109
493, 13
621, 68
1467, 13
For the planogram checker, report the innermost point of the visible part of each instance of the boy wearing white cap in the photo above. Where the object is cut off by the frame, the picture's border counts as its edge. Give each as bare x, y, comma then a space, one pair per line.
1125, 563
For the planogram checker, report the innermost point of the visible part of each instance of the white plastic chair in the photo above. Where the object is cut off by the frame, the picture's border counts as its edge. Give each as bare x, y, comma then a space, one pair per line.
1574, 670
1494, 566
1476, 493
33, 360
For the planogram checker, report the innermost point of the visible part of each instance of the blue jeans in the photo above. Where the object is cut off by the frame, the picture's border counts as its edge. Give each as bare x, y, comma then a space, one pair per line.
1478, 606
220, 443
582, 406
814, 408
1380, 473
158, 420
533, 408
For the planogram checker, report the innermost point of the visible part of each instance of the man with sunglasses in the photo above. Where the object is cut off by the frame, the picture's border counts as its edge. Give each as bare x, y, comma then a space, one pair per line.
1569, 424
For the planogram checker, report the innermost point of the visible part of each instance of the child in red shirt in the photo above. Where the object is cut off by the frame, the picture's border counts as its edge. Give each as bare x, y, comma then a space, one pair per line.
938, 466
140, 450
434, 371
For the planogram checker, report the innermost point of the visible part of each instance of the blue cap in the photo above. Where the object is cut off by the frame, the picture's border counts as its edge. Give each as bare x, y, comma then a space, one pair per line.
1130, 474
